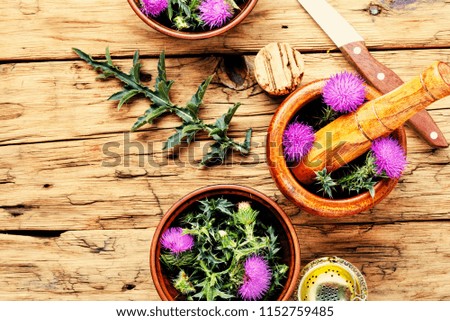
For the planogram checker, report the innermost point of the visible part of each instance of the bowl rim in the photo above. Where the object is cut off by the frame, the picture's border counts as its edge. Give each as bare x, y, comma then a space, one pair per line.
286, 181
238, 18
226, 189
358, 277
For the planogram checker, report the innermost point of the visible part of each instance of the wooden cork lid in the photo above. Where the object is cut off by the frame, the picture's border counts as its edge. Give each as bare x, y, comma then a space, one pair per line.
279, 68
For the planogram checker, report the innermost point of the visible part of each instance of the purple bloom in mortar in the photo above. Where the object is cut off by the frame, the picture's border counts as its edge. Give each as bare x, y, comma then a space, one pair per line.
344, 92
214, 13
298, 139
174, 240
389, 157
154, 7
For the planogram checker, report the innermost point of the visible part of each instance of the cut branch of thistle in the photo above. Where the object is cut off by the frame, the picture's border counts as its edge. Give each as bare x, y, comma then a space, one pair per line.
386, 159
360, 178
161, 104
327, 116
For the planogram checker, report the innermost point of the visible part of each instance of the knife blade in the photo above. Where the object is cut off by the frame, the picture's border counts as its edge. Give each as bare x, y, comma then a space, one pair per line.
378, 75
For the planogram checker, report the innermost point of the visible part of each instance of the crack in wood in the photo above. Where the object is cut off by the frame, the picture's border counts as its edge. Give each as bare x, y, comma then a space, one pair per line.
158, 202
8, 178
84, 137
130, 172
108, 245
19, 209
50, 234
83, 202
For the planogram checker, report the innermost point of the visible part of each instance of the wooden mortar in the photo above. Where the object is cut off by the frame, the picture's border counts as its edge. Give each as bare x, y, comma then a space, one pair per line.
283, 174
351, 135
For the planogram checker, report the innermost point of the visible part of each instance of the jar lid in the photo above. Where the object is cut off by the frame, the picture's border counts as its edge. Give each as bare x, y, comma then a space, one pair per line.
331, 279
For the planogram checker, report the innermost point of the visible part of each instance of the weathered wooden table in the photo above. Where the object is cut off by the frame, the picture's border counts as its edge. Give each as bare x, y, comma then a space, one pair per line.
77, 225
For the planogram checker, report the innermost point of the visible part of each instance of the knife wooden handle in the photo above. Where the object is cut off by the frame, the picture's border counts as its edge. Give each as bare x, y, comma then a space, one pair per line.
385, 80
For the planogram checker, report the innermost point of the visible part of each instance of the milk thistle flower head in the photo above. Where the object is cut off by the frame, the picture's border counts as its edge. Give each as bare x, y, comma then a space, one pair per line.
256, 278
154, 7
298, 139
344, 92
214, 13
389, 157
174, 240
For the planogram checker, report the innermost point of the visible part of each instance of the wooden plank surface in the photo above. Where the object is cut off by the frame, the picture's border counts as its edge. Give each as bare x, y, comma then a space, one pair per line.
80, 196
68, 155
400, 262
49, 28
73, 105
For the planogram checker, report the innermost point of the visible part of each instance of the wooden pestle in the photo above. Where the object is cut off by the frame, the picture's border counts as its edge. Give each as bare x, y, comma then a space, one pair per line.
351, 135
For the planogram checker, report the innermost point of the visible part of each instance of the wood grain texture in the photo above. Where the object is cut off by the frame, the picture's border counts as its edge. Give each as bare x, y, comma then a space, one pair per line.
77, 105
49, 28
402, 261
73, 164
76, 220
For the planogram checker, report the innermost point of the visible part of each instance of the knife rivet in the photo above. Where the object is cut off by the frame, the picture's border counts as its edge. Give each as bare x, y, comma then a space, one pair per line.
434, 135
381, 76
357, 50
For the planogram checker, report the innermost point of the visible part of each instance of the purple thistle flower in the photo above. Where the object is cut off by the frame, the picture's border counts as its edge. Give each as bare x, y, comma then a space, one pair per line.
344, 92
174, 240
214, 13
154, 7
298, 139
389, 157
256, 278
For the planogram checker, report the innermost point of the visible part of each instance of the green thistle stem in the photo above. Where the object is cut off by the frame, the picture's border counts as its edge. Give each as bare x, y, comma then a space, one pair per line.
360, 178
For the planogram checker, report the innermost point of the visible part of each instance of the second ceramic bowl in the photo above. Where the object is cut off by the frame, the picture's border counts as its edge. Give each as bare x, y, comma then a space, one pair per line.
156, 23
269, 211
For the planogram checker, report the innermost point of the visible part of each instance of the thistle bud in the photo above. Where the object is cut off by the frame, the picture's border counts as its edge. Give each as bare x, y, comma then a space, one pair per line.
242, 206
180, 23
245, 214
182, 283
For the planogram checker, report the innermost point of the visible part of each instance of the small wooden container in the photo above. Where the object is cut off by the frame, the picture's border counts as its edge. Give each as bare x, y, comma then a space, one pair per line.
268, 211
287, 182
279, 68
246, 8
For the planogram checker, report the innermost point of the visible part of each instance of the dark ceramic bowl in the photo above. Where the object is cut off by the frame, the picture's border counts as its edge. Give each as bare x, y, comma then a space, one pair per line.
287, 182
246, 8
269, 211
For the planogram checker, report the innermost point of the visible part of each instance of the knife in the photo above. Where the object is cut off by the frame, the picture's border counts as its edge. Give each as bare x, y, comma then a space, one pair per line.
379, 76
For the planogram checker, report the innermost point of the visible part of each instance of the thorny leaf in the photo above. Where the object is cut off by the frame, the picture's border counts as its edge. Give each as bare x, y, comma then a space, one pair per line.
161, 104
197, 98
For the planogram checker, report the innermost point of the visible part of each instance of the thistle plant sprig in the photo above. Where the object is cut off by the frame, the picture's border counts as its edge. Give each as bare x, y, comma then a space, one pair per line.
359, 178
161, 105
235, 254
386, 159
327, 116
183, 13
362, 177
326, 182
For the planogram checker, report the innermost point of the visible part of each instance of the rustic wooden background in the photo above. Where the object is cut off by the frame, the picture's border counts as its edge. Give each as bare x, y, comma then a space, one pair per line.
74, 226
